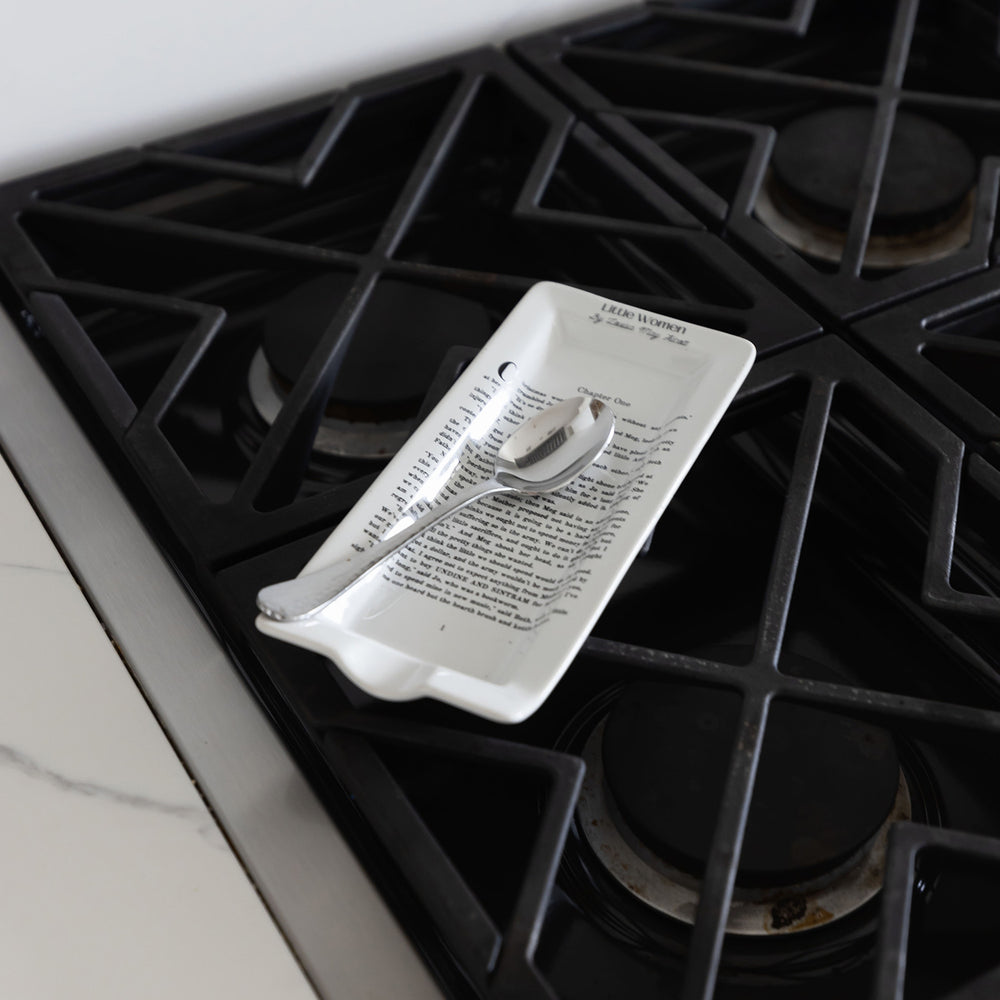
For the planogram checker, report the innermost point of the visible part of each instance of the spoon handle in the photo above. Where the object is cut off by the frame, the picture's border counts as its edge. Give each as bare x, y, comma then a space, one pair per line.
307, 595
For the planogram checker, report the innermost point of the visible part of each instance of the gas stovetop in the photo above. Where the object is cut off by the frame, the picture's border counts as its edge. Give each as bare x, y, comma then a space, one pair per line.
765, 767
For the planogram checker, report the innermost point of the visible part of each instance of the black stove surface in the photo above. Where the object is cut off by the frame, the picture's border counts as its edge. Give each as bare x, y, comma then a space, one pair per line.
848, 147
764, 773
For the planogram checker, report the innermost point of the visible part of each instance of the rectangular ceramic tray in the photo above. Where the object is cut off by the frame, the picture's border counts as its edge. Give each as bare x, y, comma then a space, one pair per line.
487, 609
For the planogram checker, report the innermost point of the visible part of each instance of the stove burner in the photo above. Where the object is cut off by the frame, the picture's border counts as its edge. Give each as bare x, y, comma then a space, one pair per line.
824, 786
925, 204
379, 389
818, 161
754, 911
349, 439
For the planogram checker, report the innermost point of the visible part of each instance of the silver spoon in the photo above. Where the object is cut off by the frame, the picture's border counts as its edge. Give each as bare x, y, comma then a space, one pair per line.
544, 454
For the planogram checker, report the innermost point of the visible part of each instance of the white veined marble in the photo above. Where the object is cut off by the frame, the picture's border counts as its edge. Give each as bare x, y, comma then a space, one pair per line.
115, 880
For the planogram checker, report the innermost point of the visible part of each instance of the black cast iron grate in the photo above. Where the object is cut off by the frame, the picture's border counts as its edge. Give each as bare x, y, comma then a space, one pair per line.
946, 346
926, 865
156, 273
706, 97
821, 554
827, 497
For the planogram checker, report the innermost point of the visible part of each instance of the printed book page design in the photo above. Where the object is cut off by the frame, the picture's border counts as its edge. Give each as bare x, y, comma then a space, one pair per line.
513, 561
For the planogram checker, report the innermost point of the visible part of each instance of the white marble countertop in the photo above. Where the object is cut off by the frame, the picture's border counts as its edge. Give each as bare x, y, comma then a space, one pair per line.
115, 880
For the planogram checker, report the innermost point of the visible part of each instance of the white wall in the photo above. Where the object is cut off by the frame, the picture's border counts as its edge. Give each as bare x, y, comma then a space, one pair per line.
78, 77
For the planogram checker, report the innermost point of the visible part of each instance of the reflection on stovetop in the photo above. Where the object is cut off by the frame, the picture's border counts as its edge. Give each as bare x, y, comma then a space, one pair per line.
804, 660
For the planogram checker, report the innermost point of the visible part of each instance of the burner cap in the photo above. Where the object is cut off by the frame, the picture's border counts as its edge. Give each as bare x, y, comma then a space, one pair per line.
825, 783
402, 337
818, 159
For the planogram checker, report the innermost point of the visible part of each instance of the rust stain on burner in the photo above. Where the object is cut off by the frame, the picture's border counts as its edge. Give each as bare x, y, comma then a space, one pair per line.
793, 914
816, 917
788, 912
779, 910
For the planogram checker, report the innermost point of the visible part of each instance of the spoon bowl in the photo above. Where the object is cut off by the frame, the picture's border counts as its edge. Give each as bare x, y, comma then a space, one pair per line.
547, 452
